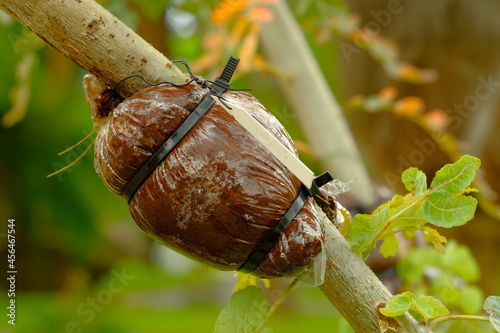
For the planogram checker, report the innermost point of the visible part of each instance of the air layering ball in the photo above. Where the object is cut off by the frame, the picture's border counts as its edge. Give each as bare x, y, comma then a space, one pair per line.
217, 195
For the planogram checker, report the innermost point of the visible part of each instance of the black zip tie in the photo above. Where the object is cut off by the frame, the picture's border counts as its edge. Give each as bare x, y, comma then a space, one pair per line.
220, 86
319, 181
267, 244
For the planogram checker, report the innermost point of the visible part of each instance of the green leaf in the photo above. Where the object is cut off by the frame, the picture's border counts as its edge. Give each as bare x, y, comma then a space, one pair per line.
460, 260
446, 204
365, 228
411, 217
456, 177
245, 311
426, 307
397, 305
492, 307
447, 210
431, 235
390, 246
430, 307
471, 300
415, 181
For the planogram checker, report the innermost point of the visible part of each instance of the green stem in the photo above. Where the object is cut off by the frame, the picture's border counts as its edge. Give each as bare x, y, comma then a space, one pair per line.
456, 317
276, 305
388, 222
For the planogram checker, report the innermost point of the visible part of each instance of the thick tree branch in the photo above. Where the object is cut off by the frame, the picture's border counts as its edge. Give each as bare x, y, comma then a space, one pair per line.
95, 40
354, 290
98, 42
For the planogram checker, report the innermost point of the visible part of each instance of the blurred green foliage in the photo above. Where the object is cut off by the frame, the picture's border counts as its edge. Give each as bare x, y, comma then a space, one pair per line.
451, 276
74, 237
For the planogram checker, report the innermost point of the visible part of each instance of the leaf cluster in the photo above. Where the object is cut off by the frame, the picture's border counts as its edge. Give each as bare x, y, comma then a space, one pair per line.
444, 203
450, 277
421, 307
424, 308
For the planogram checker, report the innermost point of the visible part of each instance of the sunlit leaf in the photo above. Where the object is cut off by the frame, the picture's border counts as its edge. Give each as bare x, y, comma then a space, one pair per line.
398, 304
492, 307
410, 233
431, 235
412, 212
426, 307
246, 280
455, 177
408, 216
447, 210
364, 228
430, 307
390, 246
245, 311
415, 181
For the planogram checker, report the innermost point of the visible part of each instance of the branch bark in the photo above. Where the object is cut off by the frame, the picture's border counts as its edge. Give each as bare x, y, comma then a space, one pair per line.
355, 291
98, 42
95, 40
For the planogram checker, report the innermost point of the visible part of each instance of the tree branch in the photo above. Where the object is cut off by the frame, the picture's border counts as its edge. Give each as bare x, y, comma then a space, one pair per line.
354, 290
319, 113
95, 40
98, 42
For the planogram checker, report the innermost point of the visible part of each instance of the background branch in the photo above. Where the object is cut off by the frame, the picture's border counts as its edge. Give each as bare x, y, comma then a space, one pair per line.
320, 116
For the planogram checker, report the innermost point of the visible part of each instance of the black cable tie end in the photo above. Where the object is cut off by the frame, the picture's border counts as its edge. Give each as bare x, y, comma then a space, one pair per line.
319, 181
230, 68
221, 84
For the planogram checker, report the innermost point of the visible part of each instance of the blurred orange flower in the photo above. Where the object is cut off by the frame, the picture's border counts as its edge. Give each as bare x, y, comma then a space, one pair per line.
409, 106
226, 10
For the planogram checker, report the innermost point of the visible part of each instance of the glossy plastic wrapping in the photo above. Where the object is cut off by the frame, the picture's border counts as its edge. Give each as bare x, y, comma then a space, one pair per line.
217, 195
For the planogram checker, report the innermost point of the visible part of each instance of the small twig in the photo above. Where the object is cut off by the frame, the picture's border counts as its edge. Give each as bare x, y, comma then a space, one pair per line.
442, 319
276, 304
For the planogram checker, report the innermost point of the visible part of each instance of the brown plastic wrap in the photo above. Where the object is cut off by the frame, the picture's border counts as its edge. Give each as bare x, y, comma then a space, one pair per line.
217, 195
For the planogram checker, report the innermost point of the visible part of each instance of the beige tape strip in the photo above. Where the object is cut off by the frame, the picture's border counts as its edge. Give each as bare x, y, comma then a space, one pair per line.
292, 162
